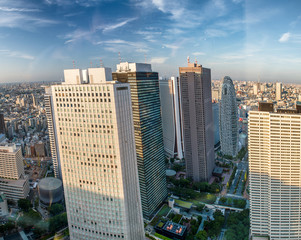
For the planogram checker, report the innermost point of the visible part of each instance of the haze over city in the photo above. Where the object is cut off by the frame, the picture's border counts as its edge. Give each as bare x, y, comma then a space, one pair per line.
247, 40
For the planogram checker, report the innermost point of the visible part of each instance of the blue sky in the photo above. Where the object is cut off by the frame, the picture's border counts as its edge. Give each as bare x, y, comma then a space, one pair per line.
244, 39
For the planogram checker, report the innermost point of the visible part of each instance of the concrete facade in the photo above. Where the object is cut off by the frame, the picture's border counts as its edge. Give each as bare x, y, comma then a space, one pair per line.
275, 169
95, 140
197, 122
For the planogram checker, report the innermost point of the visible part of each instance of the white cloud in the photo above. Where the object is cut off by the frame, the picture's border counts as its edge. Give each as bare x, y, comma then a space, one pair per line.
111, 27
199, 53
215, 33
10, 9
159, 60
16, 54
174, 47
285, 37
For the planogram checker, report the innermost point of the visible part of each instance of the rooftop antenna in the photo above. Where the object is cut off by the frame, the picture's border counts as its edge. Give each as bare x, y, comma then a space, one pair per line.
101, 64
119, 57
145, 57
73, 63
188, 60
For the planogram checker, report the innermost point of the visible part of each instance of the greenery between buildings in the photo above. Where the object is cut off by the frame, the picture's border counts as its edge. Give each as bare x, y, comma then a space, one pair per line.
238, 226
213, 228
231, 177
238, 203
161, 236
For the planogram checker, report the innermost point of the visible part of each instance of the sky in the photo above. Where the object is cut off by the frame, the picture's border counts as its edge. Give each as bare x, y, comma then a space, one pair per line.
248, 40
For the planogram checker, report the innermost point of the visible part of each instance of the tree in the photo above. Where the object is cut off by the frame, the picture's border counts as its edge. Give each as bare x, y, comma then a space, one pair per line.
177, 167
201, 235
29, 219
200, 218
56, 209
223, 200
24, 205
193, 229
57, 222
200, 207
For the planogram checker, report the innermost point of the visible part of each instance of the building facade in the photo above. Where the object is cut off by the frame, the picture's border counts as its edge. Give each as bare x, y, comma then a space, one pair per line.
278, 91
215, 111
197, 122
275, 169
95, 140
13, 182
228, 118
171, 122
2, 124
148, 132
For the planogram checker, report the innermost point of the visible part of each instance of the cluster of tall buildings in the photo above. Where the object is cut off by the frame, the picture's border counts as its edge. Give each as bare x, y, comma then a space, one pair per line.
108, 144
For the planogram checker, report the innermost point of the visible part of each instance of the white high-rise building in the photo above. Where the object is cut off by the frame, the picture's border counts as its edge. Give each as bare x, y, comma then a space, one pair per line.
171, 123
95, 139
278, 91
275, 170
255, 88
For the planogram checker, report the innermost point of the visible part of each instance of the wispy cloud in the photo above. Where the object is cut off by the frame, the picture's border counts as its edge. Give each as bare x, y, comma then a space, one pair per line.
159, 60
290, 37
199, 53
114, 26
116, 45
16, 54
11, 9
215, 33
285, 37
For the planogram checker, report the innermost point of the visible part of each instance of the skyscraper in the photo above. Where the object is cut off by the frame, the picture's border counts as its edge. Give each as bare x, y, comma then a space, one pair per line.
228, 118
172, 136
197, 122
278, 91
215, 111
95, 140
148, 132
275, 169
2, 124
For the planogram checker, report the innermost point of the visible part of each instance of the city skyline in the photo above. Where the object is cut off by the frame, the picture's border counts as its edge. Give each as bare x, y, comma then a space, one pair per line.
236, 38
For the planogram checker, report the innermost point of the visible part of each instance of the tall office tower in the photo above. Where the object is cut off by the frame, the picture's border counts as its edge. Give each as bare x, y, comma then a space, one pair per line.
34, 101
2, 124
275, 169
13, 182
53, 134
197, 122
171, 118
255, 88
95, 139
215, 111
148, 132
278, 91
228, 118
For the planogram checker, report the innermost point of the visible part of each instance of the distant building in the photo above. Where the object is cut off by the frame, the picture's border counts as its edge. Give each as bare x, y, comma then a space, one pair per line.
255, 88
215, 111
228, 118
197, 122
274, 144
215, 94
40, 149
278, 91
2, 124
13, 182
97, 155
170, 111
145, 97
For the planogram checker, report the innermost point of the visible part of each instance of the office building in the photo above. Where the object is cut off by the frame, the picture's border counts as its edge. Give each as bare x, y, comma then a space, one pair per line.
228, 118
170, 111
215, 111
13, 182
197, 122
95, 139
3, 205
53, 134
148, 132
275, 168
2, 124
255, 88
278, 91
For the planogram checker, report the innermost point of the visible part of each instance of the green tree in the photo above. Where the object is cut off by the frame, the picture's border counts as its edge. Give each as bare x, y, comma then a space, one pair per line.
201, 235
223, 200
56, 209
24, 204
200, 207
57, 222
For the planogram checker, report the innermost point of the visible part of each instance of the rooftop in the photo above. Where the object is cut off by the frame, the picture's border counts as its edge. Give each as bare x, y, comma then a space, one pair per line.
174, 228
8, 147
183, 204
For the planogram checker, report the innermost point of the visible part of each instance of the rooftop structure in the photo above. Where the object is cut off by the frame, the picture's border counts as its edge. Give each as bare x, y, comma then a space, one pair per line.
171, 229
